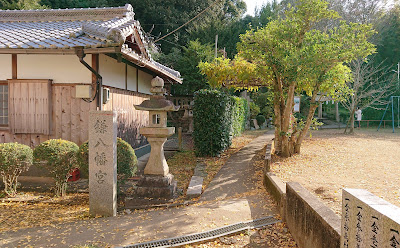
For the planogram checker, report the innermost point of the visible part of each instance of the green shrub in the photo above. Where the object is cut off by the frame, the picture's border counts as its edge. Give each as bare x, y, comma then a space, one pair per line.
217, 118
59, 158
126, 159
240, 115
14, 159
254, 110
260, 119
212, 122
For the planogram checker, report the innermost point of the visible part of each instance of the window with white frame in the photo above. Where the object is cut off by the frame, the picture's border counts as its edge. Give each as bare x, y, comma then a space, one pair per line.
3, 104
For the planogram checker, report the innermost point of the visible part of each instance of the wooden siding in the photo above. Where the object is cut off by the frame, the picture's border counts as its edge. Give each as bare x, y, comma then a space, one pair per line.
129, 119
30, 106
70, 117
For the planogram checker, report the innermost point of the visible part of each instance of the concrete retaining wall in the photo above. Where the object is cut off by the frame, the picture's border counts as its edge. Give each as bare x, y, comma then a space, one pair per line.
277, 189
312, 224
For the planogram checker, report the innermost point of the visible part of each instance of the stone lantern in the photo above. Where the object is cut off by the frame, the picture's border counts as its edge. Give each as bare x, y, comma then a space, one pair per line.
157, 181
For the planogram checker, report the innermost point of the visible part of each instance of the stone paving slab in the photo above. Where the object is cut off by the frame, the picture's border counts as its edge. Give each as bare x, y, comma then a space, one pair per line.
195, 187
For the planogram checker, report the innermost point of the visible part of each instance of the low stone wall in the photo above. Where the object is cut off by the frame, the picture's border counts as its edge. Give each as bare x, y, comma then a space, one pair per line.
312, 224
277, 189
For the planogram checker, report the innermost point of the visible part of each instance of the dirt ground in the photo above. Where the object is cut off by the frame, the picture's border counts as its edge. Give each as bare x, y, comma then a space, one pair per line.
330, 161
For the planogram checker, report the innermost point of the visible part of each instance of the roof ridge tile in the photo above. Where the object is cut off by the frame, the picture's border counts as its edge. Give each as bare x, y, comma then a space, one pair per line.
66, 14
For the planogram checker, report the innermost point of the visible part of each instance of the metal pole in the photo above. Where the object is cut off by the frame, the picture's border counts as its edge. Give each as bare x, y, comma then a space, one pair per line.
398, 112
392, 114
387, 106
398, 74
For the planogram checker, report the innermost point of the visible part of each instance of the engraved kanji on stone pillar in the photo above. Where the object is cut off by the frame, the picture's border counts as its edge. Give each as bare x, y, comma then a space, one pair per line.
103, 163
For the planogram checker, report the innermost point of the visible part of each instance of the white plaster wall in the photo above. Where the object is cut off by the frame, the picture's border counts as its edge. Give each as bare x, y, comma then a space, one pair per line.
113, 73
5, 66
131, 82
60, 68
144, 82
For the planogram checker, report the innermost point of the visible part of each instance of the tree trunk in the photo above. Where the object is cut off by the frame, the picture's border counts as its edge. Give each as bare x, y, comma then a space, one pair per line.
350, 122
286, 121
303, 132
278, 125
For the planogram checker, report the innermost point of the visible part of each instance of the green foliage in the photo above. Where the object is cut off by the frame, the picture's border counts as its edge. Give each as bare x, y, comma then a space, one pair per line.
240, 115
264, 100
217, 118
185, 60
212, 122
14, 159
260, 119
237, 73
58, 157
21, 4
63, 4
298, 57
83, 159
254, 110
126, 160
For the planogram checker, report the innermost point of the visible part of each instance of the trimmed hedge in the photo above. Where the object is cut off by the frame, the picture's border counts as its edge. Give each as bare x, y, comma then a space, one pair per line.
126, 160
59, 158
260, 119
240, 115
14, 159
217, 118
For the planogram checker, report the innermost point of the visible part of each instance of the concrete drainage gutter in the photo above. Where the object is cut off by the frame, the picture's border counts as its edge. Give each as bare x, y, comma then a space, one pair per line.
312, 224
206, 236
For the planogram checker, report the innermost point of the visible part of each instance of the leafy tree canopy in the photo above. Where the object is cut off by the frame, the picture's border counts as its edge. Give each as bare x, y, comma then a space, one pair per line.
293, 55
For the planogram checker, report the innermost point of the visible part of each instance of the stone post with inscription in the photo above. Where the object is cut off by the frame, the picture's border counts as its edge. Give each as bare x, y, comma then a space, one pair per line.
103, 163
368, 221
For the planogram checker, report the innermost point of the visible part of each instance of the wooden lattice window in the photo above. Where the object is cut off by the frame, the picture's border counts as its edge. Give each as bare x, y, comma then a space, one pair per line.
3, 103
30, 106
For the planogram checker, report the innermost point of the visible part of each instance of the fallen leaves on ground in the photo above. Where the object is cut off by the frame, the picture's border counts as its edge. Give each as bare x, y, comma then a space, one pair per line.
182, 165
45, 211
272, 236
331, 161
214, 164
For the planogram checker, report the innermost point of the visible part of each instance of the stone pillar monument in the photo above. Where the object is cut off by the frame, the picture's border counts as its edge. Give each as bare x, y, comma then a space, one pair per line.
157, 182
103, 163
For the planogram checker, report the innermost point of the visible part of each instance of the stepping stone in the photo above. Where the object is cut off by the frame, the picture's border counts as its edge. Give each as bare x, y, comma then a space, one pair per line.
195, 187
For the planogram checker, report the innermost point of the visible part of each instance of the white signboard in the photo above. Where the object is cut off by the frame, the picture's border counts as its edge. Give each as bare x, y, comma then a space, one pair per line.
296, 107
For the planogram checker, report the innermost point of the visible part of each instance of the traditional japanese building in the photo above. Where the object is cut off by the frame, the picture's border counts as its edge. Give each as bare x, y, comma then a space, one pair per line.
57, 65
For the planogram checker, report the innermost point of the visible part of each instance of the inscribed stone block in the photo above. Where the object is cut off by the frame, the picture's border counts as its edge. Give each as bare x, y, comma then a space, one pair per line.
368, 221
103, 163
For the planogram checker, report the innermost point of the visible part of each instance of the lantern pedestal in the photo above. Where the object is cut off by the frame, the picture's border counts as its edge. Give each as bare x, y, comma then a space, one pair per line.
156, 136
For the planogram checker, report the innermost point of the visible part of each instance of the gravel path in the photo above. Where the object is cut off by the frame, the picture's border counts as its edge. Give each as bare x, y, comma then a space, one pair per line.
330, 161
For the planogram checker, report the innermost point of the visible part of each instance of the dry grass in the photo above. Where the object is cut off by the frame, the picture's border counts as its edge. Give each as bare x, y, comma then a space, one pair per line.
330, 161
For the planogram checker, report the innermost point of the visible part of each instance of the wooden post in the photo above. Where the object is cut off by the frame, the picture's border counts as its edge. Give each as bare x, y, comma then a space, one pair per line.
320, 110
337, 111
14, 66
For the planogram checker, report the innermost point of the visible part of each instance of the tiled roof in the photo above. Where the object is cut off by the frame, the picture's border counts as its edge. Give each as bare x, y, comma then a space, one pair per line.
69, 28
